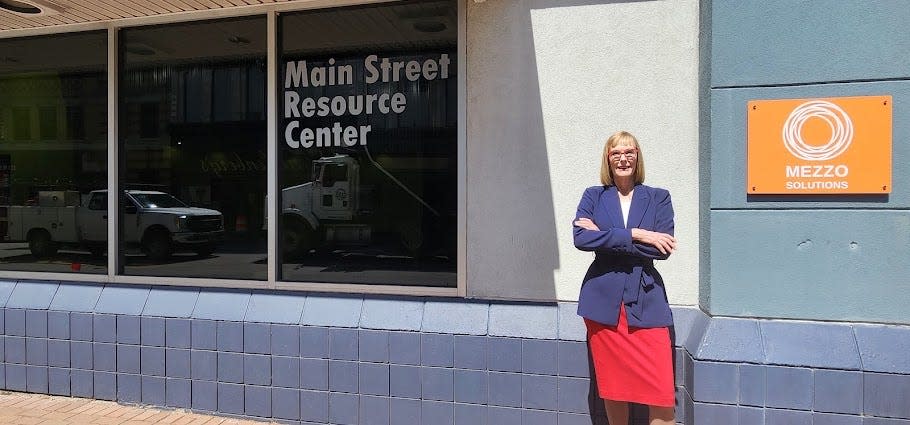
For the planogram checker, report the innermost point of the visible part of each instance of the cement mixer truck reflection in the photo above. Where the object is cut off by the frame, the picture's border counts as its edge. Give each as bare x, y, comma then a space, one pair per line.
336, 210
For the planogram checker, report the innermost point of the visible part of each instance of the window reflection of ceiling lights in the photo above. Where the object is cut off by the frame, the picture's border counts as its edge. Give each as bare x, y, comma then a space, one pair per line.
30, 7
236, 39
139, 49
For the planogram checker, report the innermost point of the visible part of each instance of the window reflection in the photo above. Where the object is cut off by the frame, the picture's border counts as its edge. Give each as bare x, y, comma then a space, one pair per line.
367, 148
53, 153
193, 150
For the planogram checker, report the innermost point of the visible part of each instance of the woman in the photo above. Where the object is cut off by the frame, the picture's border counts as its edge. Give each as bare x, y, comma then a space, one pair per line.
623, 300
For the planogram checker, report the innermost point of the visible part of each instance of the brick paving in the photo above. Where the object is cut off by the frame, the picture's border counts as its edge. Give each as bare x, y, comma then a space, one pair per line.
40, 409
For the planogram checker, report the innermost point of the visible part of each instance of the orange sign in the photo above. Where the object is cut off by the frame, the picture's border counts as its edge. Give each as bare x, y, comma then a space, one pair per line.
819, 146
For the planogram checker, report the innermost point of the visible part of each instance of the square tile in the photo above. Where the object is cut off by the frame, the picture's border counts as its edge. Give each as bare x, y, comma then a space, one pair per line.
178, 393
129, 388
343, 344
404, 412
788, 387
437, 412
374, 379
314, 406
104, 328
152, 361
343, 408
573, 395
203, 334
58, 324
36, 323
230, 368
885, 395
314, 374
36, 379
343, 376
538, 417
505, 389
572, 359
838, 391
437, 384
36, 351
14, 322
81, 383
204, 365
204, 396
538, 392
14, 349
152, 331
472, 414
374, 410
374, 346
80, 352
257, 338
286, 372
230, 398
286, 403
177, 333
470, 353
314, 342
257, 401
502, 354
177, 363
404, 381
538, 356
285, 340
404, 348
128, 330
153, 390
105, 385
752, 385
787, 417
230, 336
81, 325
437, 350
715, 382
257, 369
471, 386
58, 381
15, 377
104, 357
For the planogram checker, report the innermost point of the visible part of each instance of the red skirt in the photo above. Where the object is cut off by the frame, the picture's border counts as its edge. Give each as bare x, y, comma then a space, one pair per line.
632, 364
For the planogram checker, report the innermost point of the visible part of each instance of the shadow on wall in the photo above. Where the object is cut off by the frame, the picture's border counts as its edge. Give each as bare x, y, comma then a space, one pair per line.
513, 246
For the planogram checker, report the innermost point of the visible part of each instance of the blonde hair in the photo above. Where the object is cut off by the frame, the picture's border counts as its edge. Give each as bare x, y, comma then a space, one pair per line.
621, 138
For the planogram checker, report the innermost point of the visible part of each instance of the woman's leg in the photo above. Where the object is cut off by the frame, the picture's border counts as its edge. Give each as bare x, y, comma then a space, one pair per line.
617, 412
658, 415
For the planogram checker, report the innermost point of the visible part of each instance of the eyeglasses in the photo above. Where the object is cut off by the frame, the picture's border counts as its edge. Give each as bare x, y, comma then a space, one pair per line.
629, 154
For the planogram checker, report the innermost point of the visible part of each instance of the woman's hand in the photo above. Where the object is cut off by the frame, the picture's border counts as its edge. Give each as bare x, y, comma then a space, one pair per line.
665, 243
587, 224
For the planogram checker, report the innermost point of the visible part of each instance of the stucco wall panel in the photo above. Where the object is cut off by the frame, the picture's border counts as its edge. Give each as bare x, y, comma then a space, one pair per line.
808, 41
542, 98
811, 264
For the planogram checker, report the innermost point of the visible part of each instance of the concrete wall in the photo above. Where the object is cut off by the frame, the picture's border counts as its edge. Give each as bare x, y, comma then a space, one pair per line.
548, 81
828, 258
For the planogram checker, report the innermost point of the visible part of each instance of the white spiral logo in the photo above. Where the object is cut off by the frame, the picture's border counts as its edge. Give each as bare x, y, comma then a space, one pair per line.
838, 120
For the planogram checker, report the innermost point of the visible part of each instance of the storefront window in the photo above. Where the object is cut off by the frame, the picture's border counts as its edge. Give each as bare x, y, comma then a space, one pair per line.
53, 153
367, 144
193, 149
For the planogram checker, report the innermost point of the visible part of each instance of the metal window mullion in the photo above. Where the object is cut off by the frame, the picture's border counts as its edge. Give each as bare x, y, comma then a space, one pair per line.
462, 248
271, 117
113, 149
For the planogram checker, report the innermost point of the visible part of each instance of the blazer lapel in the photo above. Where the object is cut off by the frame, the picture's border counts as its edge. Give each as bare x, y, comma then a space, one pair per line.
639, 206
610, 201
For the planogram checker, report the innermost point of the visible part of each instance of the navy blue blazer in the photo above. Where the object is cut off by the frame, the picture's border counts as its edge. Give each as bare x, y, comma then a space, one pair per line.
623, 271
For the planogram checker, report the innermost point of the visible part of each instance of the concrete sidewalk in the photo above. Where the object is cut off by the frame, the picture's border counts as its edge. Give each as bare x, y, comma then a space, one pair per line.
40, 409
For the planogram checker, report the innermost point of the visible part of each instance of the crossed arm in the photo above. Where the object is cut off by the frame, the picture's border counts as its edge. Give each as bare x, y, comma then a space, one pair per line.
656, 244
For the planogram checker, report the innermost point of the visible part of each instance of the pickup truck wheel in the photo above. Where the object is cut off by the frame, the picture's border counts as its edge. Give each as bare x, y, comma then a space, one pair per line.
157, 246
41, 245
204, 250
